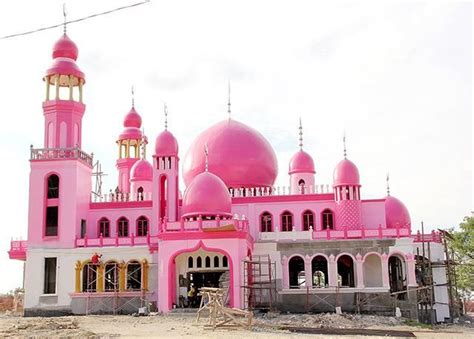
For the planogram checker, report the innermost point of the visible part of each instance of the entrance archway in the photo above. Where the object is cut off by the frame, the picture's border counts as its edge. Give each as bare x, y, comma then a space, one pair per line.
397, 274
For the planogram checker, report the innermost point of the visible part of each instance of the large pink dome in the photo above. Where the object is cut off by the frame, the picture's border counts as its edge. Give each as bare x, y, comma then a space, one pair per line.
65, 48
346, 173
141, 171
238, 154
166, 144
396, 213
206, 195
301, 162
132, 119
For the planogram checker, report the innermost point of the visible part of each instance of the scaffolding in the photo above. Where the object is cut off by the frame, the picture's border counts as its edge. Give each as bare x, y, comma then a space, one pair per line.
424, 275
259, 289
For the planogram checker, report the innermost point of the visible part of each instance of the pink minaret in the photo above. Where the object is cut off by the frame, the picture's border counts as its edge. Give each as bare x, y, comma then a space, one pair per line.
347, 194
63, 108
129, 144
60, 177
165, 176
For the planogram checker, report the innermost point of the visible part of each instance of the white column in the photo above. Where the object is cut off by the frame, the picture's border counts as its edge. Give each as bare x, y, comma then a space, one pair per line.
385, 277
308, 271
360, 271
332, 271
285, 274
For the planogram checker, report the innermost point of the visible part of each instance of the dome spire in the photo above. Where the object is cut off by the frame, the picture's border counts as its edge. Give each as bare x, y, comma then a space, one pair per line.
344, 142
206, 152
228, 99
301, 135
143, 144
133, 97
165, 109
65, 18
388, 184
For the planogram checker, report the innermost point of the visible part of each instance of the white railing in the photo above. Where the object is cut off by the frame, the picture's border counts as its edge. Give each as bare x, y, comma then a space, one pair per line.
121, 197
60, 153
279, 190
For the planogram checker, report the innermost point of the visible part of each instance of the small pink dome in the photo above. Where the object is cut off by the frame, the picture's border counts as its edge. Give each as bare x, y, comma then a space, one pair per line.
130, 133
141, 170
396, 213
301, 162
132, 119
206, 195
65, 48
346, 173
166, 144
238, 154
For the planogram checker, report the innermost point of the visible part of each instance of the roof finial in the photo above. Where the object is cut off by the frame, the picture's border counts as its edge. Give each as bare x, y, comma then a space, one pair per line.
165, 108
388, 184
344, 142
65, 17
228, 99
133, 97
301, 135
206, 152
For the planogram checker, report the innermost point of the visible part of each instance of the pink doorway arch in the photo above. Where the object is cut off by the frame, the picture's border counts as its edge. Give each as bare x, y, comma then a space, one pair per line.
172, 271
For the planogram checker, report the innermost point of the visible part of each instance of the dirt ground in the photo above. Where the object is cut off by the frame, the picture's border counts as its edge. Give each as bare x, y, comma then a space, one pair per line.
184, 326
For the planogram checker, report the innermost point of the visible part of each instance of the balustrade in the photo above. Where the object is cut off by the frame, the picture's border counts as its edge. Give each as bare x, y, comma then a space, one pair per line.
279, 190
61, 154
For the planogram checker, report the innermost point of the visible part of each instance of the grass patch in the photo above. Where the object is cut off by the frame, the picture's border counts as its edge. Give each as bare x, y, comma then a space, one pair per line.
415, 323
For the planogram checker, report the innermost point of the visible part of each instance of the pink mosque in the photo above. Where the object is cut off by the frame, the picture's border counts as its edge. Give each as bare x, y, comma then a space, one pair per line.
147, 241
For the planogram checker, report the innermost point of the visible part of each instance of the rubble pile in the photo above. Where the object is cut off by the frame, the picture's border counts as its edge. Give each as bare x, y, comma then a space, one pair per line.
326, 320
63, 326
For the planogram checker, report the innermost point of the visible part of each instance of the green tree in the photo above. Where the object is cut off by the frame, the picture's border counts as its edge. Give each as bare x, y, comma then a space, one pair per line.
462, 244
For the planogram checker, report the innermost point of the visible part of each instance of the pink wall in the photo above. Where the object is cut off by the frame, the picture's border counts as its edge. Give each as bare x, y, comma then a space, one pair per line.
73, 202
66, 113
373, 213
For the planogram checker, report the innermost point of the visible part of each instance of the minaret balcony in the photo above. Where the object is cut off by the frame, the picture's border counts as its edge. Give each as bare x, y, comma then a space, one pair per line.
72, 153
18, 250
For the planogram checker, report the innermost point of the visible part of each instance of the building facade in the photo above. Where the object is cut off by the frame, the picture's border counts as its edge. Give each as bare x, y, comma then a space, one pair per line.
146, 243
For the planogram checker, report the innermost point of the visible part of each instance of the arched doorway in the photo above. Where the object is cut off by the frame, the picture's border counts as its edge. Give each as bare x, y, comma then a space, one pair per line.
345, 271
296, 270
397, 274
319, 270
372, 271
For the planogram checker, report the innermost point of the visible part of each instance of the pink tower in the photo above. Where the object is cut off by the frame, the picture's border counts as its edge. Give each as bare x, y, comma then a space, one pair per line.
129, 143
347, 194
165, 176
301, 170
60, 177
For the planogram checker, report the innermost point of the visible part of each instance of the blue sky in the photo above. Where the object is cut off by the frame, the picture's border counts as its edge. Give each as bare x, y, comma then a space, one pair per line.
396, 77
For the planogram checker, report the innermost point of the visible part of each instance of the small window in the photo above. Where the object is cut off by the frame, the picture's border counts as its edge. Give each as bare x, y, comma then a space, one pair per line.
308, 220
216, 261
286, 221
122, 227
328, 219
83, 228
266, 222
190, 262
208, 262
140, 194
50, 275
199, 262
225, 262
53, 186
104, 227
51, 221
142, 226
301, 185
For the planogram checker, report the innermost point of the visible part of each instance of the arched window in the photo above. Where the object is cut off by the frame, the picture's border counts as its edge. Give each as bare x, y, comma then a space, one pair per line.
308, 220
345, 270
208, 262
296, 270
372, 268
216, 261
225, 262
111, 273
142, 226
53, 186
199, 262
286, 221
319, 268
266, 222
327, 219
122, 227
104, 227
134, 275
140, 196
89, 278
190, 262
397, 274
301, 185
